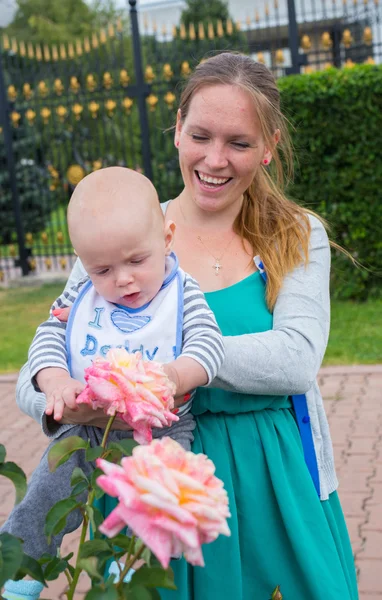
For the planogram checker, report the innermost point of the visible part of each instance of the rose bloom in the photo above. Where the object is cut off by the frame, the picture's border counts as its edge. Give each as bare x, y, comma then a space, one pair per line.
137, 390
170, 498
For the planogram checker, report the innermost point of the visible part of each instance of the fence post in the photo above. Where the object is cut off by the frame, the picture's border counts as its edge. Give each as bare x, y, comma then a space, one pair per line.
8, 138
297, 59
142, 91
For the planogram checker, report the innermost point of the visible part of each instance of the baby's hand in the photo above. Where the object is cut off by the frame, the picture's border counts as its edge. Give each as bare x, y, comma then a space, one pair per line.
60, 392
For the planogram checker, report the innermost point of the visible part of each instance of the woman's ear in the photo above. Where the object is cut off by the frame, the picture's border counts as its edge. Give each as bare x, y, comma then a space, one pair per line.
267, 156
169, 230
178, 128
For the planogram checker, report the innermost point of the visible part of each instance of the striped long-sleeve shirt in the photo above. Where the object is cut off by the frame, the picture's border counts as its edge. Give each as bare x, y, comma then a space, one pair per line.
201, 336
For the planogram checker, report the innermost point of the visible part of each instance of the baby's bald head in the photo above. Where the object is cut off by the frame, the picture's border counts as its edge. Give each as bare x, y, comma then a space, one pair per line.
110, 199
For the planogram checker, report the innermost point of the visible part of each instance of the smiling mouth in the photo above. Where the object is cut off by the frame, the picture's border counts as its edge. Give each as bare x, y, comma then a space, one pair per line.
212, 182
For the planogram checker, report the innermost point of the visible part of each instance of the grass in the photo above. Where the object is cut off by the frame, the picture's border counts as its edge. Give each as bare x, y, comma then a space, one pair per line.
356, 333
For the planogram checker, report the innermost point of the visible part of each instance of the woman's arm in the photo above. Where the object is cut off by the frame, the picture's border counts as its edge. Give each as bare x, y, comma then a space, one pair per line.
286, 359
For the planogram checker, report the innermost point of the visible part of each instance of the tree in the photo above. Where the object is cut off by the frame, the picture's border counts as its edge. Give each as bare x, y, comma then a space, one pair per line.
56, 21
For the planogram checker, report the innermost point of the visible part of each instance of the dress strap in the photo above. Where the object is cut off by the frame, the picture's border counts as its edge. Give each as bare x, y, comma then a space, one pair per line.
300, 407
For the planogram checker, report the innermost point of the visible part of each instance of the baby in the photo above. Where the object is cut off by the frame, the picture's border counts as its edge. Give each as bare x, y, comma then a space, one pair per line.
135, 296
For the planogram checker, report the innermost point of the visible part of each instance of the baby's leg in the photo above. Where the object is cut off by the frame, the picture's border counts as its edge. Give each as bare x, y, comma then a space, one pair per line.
181, 431
27, 519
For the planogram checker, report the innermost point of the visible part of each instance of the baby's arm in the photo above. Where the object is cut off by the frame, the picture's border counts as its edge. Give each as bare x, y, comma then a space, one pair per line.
47, 360
203, 350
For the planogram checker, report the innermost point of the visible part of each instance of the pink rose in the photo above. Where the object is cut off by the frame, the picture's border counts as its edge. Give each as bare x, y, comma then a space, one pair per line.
139, 391
170, 498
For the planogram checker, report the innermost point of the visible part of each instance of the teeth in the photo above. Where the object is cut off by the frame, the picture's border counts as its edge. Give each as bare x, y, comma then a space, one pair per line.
214, 180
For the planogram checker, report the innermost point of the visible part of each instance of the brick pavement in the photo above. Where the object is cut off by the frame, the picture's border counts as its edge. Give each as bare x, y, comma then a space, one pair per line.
353, 400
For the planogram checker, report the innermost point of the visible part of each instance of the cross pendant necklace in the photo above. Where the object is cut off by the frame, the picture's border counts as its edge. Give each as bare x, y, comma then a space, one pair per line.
217, 266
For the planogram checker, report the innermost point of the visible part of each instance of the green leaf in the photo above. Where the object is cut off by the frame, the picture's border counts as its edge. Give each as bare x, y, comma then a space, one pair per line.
11, 556
79, 488
93, 453
90, 565
61, 451
56, 518
153, 578
94, 547
31, 567
139, 592
101, 593
54, 568
17, 476
95, 516
125, 446
121, 541
2, 453
77, 476
93, 481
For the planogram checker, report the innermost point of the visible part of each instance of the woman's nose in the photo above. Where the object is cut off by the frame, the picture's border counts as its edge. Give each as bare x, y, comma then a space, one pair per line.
216, 157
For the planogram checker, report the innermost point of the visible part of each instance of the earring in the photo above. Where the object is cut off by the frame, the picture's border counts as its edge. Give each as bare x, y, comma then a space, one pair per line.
265, 161
177, 144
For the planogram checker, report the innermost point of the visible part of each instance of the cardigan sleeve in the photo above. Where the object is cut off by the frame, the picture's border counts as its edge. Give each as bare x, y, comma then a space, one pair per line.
286, 359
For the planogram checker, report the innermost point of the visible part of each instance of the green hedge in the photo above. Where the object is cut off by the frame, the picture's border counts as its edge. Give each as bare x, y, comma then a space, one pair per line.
337, 118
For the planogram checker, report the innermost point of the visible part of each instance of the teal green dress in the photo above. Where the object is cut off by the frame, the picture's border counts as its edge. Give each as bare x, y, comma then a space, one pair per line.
281, 534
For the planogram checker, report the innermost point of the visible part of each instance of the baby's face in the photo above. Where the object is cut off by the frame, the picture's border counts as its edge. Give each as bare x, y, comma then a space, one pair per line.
126, 263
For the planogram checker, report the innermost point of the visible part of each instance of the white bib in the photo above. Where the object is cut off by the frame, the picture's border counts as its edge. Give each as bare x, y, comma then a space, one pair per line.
155, 330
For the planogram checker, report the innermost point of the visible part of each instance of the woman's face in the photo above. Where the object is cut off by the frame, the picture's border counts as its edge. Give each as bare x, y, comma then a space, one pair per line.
220, 146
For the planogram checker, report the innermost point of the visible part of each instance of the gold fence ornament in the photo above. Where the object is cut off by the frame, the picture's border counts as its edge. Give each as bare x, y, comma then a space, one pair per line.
124, 78
14, 47
279, 57
210, 31
22, 49
45, 113
63, 263
201, 32
229, 27
370, 61
62, 52
97, 165
12, 93
55, 56
119, 25
30, 50
185, 69
79, 50
170, 98
110, 106
32, 264
238, 25
174, 31
74, 85
15, 118
306, 42
91, 83
12, 250
48, 263
152, 101
71, 53
149, 74
59, 234
308, 69
326, 40
261, 58
257, 16
58, 87
44, 237
77, 110
29, 238
30, 116
110, 30
93, 109
349, 64
94, 40
61, 112
6, 44
328, 65
367, 36
347, 38
27, 91
107, 80
2, 276
42, 89
182, 31
102, 36
46, 53
219, 29
74, 175
167, 72
87, 47
191, 32
127, 103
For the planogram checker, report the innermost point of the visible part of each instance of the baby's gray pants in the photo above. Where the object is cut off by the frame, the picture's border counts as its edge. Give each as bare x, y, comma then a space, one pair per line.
27, 519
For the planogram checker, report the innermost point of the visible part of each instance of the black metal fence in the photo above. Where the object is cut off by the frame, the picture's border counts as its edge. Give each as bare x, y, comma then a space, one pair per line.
111, 99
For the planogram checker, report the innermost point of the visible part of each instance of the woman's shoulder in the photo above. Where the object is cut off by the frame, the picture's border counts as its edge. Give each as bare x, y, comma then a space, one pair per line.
318, 233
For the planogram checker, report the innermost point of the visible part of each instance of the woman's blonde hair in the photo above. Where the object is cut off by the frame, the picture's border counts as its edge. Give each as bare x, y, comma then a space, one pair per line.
277, 228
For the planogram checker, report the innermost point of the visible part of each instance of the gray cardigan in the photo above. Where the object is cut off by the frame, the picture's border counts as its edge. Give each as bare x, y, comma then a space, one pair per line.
282, 361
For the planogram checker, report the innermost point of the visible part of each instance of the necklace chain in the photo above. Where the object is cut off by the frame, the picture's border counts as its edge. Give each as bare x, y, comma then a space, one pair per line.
217, 266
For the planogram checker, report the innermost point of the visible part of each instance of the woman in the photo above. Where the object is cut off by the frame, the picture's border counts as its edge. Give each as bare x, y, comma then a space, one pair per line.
229, 129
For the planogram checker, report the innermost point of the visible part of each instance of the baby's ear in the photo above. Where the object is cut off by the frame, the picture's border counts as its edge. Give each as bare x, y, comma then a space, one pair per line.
169, 231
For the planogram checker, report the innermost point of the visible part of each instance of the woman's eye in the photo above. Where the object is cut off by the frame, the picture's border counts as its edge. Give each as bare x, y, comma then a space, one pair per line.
241, 145
198, 138
103, 272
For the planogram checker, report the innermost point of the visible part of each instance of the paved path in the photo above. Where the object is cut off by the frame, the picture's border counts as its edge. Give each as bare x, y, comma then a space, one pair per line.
353, 399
